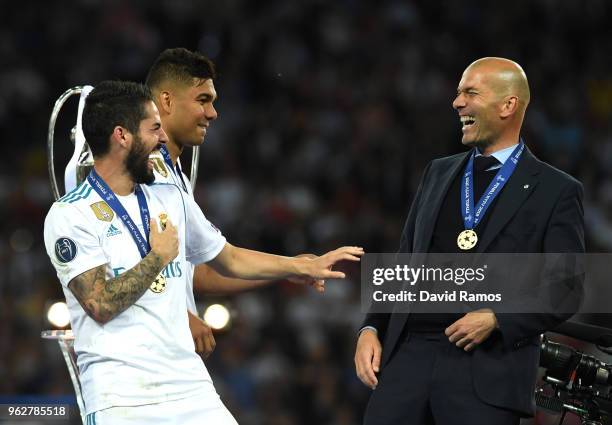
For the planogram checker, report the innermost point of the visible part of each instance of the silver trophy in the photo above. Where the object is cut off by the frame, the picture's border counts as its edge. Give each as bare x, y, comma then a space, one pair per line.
81, 162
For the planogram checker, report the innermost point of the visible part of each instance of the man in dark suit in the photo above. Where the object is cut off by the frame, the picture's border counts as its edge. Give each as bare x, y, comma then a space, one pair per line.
480, 367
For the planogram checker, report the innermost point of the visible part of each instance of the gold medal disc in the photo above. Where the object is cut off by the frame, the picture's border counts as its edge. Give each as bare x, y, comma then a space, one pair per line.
159, 284
467, 239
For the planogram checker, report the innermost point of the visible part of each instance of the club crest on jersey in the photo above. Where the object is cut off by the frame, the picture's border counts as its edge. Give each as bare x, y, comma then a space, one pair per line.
102, 211
159, 166
65, 250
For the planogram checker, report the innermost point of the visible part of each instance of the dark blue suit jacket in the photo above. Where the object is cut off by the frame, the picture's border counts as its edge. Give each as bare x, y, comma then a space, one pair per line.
546, 217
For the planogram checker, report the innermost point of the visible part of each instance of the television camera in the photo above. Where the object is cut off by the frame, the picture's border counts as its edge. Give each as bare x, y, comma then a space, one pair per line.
576, 382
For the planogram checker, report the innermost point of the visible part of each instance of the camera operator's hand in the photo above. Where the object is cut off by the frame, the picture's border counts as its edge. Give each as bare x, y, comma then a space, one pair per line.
472, 329
367, 357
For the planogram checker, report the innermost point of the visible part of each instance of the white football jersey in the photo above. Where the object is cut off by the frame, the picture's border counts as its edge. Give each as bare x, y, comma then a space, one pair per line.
163, 174
146, 354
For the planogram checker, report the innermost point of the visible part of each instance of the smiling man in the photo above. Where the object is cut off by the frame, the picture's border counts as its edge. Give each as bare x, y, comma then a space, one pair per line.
115, 242
182, 83
479, 367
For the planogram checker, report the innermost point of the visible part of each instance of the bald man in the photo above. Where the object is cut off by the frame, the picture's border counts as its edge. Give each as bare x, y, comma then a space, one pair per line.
479, 367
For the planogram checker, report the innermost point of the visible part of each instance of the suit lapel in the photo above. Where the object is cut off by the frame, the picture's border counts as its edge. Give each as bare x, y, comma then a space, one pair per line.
520, 185
435, 197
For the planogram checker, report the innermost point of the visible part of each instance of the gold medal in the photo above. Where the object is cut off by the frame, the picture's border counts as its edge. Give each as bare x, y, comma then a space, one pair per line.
467, 239
159, 284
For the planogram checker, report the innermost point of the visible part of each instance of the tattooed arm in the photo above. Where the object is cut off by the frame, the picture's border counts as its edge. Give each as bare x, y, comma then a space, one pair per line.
103, 300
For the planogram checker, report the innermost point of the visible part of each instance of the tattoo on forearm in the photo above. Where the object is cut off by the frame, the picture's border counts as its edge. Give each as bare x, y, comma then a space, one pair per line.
104, 299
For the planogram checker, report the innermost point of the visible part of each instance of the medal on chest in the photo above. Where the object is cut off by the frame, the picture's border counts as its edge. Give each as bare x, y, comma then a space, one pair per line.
142, 241
159, 284
467, 239
473, 214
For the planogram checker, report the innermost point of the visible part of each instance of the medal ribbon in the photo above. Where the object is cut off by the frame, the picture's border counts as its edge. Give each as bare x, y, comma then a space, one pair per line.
175, 169
105, 192
472, 215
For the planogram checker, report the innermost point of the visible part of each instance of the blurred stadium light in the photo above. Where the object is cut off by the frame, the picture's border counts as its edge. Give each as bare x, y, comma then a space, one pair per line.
217, 316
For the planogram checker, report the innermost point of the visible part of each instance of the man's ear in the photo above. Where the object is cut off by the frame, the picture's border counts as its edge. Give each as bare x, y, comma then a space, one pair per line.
509, 107
165, 101
121, 137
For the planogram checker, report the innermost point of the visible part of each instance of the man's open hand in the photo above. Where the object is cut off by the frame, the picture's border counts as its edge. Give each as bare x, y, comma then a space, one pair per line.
321, 267
317, 284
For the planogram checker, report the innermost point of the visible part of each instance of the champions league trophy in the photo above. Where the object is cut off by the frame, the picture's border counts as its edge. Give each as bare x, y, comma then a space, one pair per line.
81, 162
75, 173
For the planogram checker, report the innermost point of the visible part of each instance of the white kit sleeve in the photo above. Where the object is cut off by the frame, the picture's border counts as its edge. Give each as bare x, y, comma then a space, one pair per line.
203, 240
71, 243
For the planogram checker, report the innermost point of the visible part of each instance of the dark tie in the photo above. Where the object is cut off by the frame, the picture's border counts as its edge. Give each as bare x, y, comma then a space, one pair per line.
482, 178
482, 163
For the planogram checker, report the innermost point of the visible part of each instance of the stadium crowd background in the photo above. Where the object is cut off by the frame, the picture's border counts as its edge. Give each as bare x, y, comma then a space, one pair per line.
328, 113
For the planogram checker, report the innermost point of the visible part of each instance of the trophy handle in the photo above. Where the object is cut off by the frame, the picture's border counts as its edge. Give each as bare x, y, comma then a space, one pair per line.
73, 168
79, 138
65, 339
195, 160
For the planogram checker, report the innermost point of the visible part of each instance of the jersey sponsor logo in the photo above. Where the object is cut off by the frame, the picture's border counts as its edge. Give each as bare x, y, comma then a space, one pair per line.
173, 269
112, 231
102, 211
65, 250
159, 166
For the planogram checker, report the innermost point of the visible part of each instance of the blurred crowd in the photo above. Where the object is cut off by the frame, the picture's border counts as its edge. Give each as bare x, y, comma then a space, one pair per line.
328, 113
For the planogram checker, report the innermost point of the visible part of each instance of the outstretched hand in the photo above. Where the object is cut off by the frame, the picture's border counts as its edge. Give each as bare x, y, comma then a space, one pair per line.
321, 267
317, 284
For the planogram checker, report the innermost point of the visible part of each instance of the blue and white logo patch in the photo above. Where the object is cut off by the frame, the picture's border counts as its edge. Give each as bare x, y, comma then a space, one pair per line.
65, 250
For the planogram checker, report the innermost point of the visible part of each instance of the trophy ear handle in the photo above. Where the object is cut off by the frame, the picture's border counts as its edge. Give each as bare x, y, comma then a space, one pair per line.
71, 171
195, 160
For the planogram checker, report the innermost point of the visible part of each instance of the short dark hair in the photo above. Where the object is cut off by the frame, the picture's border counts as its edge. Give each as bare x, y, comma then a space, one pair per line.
180, 65
113, 103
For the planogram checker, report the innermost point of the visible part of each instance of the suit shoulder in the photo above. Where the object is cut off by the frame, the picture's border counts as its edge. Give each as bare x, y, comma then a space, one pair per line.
556, 175
447, 161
